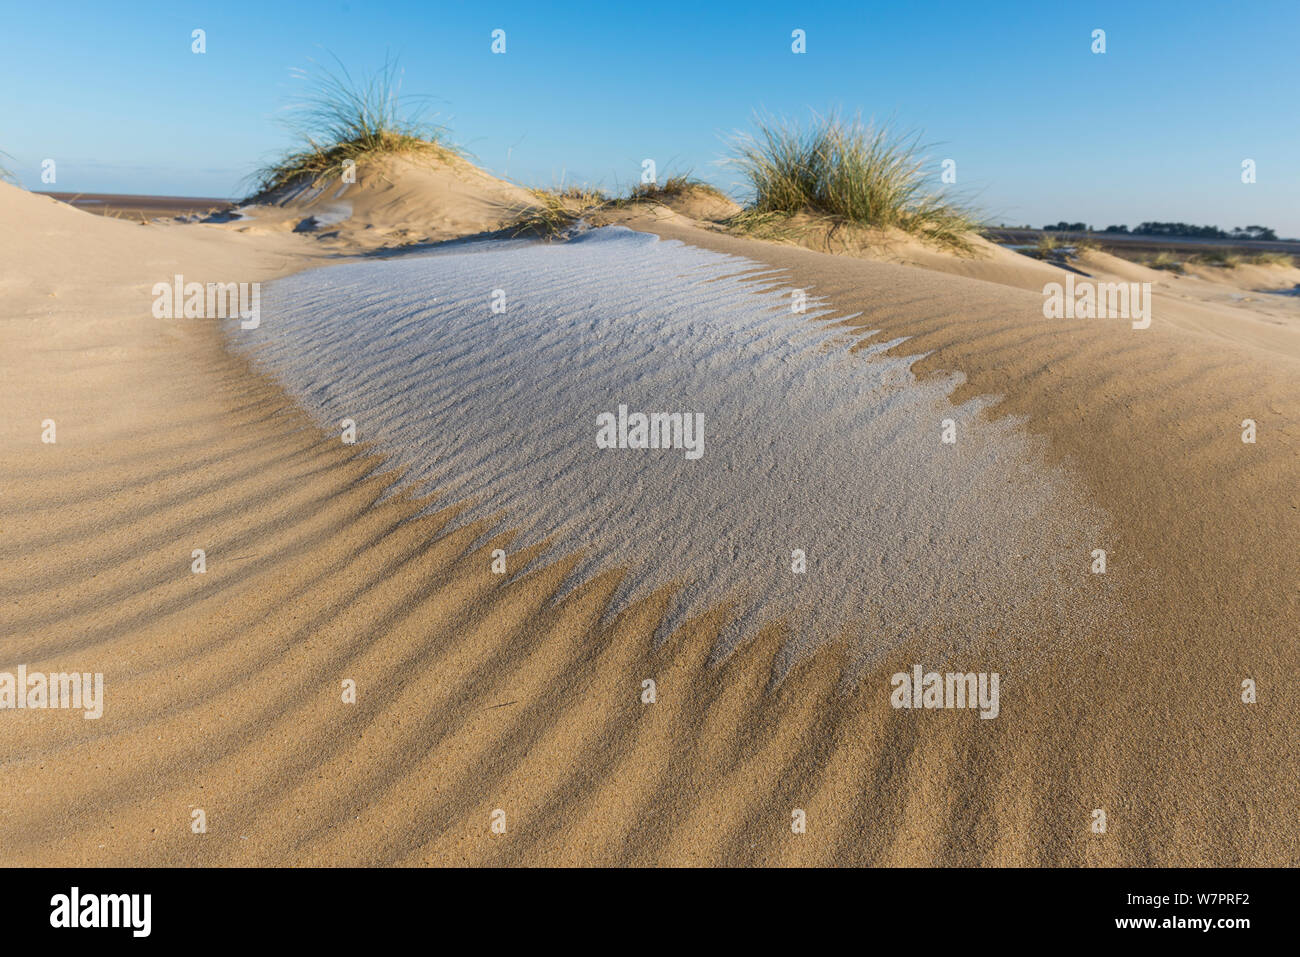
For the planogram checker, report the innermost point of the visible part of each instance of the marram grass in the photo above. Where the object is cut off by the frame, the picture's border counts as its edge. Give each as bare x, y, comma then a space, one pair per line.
848, 171
343, 118
556, 211
1271, 259
671, 188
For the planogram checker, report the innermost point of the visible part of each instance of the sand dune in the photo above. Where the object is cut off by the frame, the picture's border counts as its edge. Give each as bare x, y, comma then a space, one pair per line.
394, 201
479, 692
504, 408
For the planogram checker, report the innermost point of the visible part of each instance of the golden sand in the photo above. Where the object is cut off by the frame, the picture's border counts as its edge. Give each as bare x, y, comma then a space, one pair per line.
478, 695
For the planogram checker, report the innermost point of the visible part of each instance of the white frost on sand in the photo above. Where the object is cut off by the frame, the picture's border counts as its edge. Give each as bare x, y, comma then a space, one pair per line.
807, 445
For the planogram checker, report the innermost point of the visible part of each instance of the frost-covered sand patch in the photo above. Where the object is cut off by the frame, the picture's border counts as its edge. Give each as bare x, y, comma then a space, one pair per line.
807, 447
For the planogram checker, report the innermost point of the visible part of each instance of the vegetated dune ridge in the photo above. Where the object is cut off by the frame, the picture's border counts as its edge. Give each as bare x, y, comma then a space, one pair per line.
394, 201
477, 694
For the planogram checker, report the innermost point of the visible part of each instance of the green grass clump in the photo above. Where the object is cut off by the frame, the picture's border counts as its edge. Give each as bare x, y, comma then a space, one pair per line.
556, 211
1164, 260
783, 226
1218, 257
849, 171
583, 197
671, 188
1047, 247
1271, 259
350, 119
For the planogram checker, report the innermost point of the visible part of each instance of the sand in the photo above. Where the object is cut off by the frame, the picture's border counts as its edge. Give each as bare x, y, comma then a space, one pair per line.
788, 437
479, 693
392, 202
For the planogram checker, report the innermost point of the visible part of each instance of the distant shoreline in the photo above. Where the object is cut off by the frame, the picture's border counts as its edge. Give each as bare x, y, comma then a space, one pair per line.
130, 204
1142, 243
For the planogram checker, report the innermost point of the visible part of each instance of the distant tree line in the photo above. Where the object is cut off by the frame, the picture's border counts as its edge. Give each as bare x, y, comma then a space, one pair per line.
1171, 229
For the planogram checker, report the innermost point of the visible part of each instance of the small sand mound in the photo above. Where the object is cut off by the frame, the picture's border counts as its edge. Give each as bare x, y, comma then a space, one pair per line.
702, 203
1110, 265
1248, 277
396, 200
983, 260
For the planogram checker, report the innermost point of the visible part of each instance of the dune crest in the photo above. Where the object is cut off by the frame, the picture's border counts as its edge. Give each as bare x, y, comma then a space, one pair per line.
395, 200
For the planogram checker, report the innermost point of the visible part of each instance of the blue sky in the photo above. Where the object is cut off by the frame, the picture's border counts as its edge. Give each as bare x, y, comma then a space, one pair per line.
1041, 128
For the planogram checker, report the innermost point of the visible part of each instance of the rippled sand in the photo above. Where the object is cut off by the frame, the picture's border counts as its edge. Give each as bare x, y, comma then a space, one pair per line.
811, 442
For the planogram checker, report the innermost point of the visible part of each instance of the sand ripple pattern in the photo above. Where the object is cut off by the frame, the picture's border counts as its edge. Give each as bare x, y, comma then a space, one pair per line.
810, 441
478, 693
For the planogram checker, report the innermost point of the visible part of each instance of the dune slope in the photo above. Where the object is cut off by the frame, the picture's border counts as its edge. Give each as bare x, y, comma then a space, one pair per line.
395, 200
478, 693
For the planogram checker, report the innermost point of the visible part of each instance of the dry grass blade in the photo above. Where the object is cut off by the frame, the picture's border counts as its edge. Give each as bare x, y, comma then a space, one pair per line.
556, 212
343, 119
671, 188
850, 170
1271, 259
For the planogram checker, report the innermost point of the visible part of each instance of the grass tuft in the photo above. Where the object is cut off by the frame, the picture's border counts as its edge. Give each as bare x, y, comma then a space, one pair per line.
1218, 257
1270, 259
849, 171
1164, 260
1047, 247
556, 211
671, 188
343, 118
